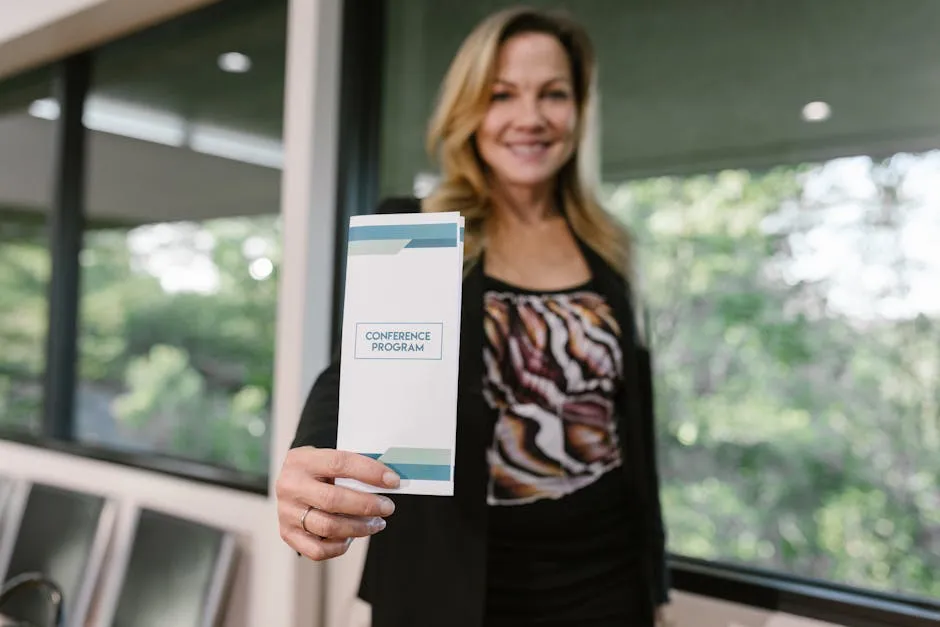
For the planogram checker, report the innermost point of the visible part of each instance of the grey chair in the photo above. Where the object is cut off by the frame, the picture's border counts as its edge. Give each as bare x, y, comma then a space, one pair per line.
61, 536
174, 572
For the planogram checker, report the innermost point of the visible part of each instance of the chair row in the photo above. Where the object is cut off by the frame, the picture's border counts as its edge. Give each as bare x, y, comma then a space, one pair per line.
164, 570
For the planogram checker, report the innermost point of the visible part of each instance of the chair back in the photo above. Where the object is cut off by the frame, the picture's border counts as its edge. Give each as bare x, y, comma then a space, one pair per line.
174, 572
61, 536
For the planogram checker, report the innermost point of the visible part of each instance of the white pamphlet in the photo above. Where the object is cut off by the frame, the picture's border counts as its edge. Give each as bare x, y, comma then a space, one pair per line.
400, 347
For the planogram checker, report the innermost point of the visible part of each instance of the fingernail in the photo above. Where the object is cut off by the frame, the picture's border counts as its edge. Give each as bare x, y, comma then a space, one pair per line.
386, 506
391, 479
377, 524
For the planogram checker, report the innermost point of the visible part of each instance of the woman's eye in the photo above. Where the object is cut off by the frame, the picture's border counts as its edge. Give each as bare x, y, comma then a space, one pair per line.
500, 96
558, 94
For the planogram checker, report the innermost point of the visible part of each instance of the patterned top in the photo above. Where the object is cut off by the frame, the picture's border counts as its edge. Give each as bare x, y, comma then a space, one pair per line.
562, 530
552, 368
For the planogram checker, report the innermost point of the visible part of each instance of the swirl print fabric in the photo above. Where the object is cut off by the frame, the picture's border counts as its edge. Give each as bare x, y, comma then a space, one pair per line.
552, 366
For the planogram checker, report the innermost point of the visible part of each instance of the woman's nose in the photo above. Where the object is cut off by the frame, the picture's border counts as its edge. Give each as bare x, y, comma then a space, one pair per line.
529, 113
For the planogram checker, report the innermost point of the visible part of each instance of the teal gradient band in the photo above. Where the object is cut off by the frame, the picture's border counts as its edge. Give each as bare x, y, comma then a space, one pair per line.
391, 239
426, 464
444, 230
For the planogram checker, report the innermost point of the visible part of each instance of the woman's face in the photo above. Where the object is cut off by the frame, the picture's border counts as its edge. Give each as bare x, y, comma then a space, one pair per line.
529, 130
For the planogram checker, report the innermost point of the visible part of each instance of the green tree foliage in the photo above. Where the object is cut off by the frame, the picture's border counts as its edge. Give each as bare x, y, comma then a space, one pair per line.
24, 275
176, 333
796, 432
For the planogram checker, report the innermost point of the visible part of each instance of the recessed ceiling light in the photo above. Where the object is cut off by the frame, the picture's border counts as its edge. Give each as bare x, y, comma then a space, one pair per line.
234, 62
817, 111
45, 109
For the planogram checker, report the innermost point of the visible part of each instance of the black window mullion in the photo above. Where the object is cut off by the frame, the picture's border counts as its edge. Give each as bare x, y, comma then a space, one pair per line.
357, 189
66, 223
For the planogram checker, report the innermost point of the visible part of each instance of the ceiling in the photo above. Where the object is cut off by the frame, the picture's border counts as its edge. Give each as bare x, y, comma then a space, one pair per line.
686, 86
174, 67
690, 86
132, 181
162, 112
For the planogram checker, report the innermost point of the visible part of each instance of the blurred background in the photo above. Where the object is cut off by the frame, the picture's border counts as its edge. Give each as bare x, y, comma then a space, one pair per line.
778, 163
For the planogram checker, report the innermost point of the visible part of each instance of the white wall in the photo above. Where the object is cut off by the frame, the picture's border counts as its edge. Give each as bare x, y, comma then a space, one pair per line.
273, 586
690, 610
33, 33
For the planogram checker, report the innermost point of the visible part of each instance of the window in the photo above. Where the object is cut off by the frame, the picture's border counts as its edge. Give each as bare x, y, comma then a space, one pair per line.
180, 247
779, 165
795, 324
180, 257
26, 146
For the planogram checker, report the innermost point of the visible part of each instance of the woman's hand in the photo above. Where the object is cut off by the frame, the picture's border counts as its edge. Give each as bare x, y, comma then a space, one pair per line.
319, 519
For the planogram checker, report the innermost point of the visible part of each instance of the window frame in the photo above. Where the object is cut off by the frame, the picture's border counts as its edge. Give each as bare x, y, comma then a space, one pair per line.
778, 591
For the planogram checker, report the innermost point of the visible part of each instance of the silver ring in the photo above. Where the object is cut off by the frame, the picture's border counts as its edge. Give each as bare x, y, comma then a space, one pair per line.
303, 519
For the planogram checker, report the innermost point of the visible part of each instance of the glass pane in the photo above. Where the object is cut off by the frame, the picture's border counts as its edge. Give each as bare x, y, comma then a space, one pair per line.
179, 266
26, 158
796, 327
779, 165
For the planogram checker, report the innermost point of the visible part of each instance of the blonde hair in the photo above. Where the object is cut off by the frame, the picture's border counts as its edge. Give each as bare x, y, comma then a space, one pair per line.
462, 105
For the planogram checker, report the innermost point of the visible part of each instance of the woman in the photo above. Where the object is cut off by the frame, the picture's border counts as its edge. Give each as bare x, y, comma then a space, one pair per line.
556, 517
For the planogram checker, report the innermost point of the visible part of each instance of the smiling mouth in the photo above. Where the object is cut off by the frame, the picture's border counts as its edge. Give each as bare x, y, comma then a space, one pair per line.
529, 149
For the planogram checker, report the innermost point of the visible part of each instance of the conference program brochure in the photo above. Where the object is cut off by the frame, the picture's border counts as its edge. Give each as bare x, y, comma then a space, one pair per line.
400, 346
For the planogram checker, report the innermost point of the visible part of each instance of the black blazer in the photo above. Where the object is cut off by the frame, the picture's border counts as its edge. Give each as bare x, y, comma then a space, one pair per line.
427, 568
